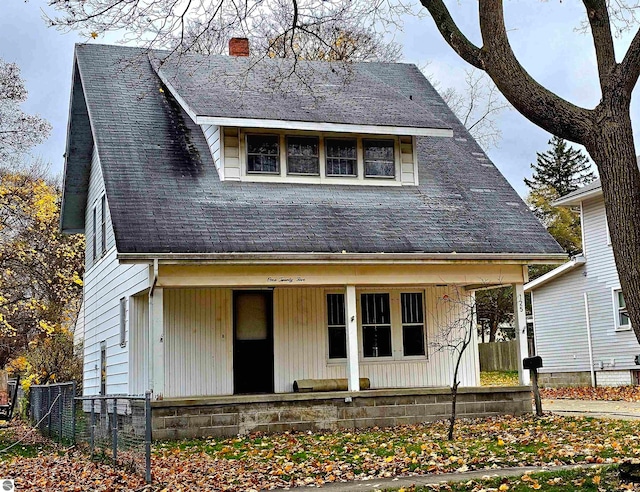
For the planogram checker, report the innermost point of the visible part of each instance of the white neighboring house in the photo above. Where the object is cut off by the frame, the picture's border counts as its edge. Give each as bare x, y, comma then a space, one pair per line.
582, 330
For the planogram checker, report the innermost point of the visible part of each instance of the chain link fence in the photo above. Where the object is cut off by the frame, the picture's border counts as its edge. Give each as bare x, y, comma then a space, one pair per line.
114, 428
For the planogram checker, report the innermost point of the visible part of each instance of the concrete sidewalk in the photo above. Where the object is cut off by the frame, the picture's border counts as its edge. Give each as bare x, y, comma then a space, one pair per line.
421, 480
623, 410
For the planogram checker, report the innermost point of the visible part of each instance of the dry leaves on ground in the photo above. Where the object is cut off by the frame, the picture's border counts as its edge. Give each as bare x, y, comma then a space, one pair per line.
619, 393
292, 459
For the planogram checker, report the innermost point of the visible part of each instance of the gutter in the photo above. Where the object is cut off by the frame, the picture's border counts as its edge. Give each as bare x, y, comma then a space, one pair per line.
339, 258
575, 262
589, 341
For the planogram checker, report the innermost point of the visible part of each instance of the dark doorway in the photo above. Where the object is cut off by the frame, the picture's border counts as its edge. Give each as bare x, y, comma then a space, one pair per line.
253, 341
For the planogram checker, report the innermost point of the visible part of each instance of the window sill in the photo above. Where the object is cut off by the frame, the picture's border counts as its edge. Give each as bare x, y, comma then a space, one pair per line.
622, 328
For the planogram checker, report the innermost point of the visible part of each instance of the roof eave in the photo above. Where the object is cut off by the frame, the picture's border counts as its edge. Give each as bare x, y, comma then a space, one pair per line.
328, 258
572, 264
576, 199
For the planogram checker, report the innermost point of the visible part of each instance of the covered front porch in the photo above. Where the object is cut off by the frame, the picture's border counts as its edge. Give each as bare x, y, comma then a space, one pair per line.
324, 320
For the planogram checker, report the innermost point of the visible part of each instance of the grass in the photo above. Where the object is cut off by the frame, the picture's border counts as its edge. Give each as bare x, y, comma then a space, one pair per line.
31, 446
601, 479
499, 378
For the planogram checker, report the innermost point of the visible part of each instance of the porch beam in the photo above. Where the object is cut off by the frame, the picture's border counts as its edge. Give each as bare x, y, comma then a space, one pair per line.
520, 325
156, 342
353, 367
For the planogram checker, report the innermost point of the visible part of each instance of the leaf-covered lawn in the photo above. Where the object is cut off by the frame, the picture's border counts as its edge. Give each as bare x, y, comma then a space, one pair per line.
291, 459
603, 479
619, 393
499, 378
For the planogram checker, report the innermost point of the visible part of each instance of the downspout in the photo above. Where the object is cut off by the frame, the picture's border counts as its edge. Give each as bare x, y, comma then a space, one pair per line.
586, 315
154, 281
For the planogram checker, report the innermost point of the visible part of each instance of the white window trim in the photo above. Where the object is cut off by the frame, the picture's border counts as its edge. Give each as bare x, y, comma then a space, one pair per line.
322, 178
335, 360
616, 311
397, 346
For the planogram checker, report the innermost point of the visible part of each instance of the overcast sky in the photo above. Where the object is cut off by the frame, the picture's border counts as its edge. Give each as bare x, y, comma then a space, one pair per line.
543, 36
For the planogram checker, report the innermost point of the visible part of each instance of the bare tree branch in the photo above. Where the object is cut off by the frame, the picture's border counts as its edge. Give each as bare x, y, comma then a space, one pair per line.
452, 35
629, 68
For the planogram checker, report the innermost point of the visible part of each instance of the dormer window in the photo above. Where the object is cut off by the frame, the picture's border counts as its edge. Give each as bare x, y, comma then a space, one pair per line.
303, 156
297, 156
342, 156
379, 159
263, 154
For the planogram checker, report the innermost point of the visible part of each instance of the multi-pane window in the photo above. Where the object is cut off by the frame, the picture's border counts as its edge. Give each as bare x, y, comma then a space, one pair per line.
376, 325
341, 157
622, 320
263, 154
103, 229
303, 156
412, 323
336, 326
379, 159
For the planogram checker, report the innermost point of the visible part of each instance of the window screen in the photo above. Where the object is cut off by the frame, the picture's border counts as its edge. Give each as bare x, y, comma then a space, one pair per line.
302, 155
263, 154
103, 212
376, 325
412, 323
379, 159
623, 314
341, 157
336, 326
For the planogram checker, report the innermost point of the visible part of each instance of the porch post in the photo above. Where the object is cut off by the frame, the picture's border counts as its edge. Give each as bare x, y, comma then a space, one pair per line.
520, 325
156, 343
353, 369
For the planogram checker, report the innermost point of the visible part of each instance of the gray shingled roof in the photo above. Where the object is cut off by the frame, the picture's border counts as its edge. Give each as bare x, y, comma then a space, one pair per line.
165, 195
239, 87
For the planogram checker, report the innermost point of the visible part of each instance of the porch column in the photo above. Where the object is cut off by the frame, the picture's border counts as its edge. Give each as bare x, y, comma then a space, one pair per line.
520, 325
156, 343
353, 369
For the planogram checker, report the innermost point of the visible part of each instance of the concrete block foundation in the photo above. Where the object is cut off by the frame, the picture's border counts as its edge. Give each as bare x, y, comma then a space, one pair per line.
244, 414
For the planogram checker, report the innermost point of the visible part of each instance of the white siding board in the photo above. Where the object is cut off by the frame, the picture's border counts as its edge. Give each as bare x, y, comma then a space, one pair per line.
105, 282
198, 342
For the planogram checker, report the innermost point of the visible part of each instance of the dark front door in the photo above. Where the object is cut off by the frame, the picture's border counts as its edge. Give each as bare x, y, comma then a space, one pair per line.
253, 341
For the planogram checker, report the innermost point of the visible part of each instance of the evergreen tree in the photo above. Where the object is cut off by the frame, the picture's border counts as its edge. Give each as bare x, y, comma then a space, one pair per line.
562, 168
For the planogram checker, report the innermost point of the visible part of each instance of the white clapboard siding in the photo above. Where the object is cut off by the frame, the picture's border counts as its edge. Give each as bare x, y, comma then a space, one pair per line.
105, 283
198, 342
560, 326
559, 313
212, 135
612, 349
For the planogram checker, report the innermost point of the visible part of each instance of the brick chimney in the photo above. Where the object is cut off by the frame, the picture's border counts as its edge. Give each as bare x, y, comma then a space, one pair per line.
239, 47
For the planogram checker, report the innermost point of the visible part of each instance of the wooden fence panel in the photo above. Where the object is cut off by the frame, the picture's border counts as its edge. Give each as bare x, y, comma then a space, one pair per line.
498, 356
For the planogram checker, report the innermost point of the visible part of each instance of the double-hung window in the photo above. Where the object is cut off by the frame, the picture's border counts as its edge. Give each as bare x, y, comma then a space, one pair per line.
341, 157
376, 325
336, 326
623, 321
303, 155
379, 158
263, 154
412, 323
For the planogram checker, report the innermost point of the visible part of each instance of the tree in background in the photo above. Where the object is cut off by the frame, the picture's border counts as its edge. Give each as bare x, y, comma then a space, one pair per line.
605, 131
40, 269
562, 168
19, 132
495, 307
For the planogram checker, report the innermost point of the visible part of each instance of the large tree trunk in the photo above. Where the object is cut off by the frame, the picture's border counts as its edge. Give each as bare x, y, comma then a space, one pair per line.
612, 149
